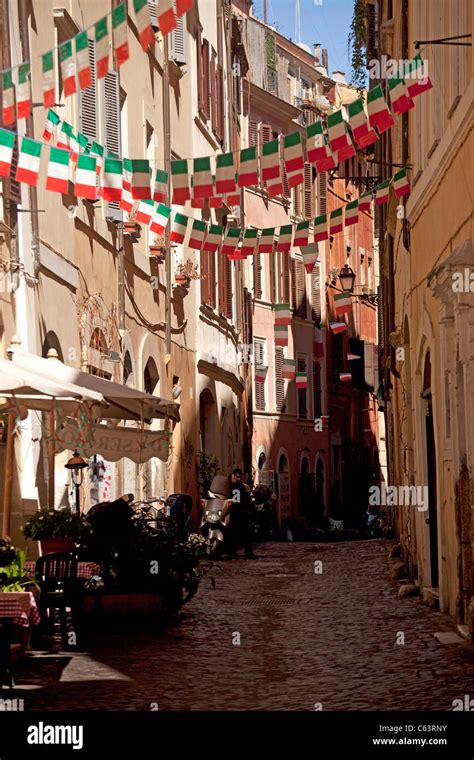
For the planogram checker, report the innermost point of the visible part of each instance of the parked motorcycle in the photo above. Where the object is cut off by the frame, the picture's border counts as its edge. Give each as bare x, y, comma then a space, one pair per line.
262, 521
216, 517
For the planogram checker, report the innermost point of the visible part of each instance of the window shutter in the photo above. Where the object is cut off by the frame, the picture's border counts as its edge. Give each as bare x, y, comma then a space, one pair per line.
259, 358
302, 392
279, 382
286, 187
199, 68
12, 188
237, 85
308, 191
322, 193
205, 79
178, 41
88, 101
300, 289
220, 103
253, 134
369, 364
284, 279
266, 133
212, 74
257, 275
317, 390
293, 283
113, 143
316, 293
272, 278
228, 288
297, 200
205, 282
152, 7
222, 284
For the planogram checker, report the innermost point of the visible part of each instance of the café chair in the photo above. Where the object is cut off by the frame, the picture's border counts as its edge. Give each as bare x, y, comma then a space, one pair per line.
56, 575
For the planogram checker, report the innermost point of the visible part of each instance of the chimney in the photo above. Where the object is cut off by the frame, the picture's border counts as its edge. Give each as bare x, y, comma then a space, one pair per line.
317, 52
325, 58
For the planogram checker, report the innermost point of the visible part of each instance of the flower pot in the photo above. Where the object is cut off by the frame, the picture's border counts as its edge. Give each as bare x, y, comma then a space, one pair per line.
181, 279
157, 251
61, 544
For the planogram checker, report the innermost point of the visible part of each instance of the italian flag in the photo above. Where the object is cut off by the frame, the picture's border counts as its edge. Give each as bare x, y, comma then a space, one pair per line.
249, 242
198, 233
231, 240
166, 17
281, 335
416, 76
363, 134
310, 255
102, 47
7, 144
215, 201
83, 141
329, 162
382, 192
343, 303
338, 327
180, 177
345, 153
318, 345
84, 72
28, 161
120, 34
284, 238
52, 120
378, 110
237, 256
301, 380
365, 202
140, 178
294, 159
225, 174
270, 160
400, 183
345, 376
64, 137
145, 211
213, 239
48, 82
301, 233
57, 178
315, 142
233, 199
399, 96
275, 185
202, 178
337, 131
112, 180
178, 228
68, 68
196, 202
160, 219
8, 98
160, 190
261, 373
182, 6
321, 228
336, 220
74, 146
282, 314
126, 201
97, 150
86, 176
266, 242
248, 169
143, 22
288, 371
352, 213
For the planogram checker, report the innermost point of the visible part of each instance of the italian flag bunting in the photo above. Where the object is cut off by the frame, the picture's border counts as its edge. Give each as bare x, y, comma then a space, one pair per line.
120, 34
318, 344
282, 314
126, 201
301, 380
28, 162
338, 327
336, 221
416, 76
225, 173
143, 22
180, 178
178, 228
248, 169
275, 185
400, 99
400, 183
347, 152
198, 233
267, 240
380, 115
102, 47
145, 211
310, 255
317, 148
160, 219
233, 198
343, 303
363, 134
294, 159
281, 335
48, 82
288, 369
249, 242
365, 201
160, 190
301, 233
84, 72
8, 97
64, 137
57, 178
321, 231
215, 201
112, 180
166, 18
182, 6
202, 178
97, 150
68, 68
86, 176
52, 120
337, 131
382, 192
141, 178
345, 376
7, 143
231, 240
352, 213
270, 160
82, 141
213, 239
284, 238
261, 373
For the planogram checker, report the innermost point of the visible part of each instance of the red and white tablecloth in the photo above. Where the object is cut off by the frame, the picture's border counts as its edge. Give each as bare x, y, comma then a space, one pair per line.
84, 569
20, 606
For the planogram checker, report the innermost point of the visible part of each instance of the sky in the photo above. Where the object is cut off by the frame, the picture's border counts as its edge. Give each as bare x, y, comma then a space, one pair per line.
324, 21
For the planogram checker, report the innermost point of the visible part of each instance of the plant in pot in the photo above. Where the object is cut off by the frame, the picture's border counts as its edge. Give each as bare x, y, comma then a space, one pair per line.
131, 226
13, 576
157, 248
57, 530
187, 271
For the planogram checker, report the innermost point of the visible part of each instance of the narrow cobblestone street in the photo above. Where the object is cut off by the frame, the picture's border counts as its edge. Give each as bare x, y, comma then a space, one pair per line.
304, 638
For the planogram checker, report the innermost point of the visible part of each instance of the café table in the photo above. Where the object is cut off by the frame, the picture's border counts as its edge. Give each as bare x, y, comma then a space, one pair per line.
20, 607
85, 570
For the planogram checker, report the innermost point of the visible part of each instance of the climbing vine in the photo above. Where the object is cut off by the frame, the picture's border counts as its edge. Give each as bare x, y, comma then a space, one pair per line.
357, 44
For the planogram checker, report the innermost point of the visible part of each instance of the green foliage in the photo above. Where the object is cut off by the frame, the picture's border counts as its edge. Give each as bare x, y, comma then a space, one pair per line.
12, 572
357, 44
55, 523
207, 467
271, 51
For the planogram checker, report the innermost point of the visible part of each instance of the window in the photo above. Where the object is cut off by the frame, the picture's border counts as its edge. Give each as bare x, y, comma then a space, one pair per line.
112, 134
228, 287
337, 355
199, 68
317, 390
279, 381
205, 73
302, 392
208, 283
178, 41
316, 293
322, 193
88, 118
283, 277
237, 84
271, 266
213, 83
298, 287
308, 206
257, 275
259, 349
253, 133
220, 116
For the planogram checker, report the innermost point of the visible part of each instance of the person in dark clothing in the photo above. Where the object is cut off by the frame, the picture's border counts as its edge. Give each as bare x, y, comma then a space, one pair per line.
241, 514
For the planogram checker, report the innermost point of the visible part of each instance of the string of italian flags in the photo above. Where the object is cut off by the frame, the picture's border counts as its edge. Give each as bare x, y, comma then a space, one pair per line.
111, 31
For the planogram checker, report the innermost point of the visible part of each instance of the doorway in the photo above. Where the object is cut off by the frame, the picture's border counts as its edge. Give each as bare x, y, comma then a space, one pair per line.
432, 518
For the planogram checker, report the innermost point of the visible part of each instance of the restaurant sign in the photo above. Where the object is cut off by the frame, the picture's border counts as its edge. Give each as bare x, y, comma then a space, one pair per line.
113, 443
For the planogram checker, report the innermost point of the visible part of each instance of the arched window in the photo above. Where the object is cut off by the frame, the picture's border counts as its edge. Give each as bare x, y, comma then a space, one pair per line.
151, 377
98, 341
127, 369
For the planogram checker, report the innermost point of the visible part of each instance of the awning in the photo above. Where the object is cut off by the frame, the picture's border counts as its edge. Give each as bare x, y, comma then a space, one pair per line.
113, 443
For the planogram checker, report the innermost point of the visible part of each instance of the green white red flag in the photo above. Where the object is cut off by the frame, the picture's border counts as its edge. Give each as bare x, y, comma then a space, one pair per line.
178, 228
166, 17
182, 6
382, 192
338, 327
126, 201
202, 178
301, 380
248, 168
68, 68
48, 82
352, 213
52, 120
120, 34
416, 76
267, 240
301, 233
343, 303
7, 144
380, 115
180, 182
281, 335
225, 174
288, 371
86, 177
145, 211
275, 185
84, 73
8, 97
282, 314
363, 134
64, 137
249, 242
57, 178
231, 240
28, 161
213, 239
261, 373
215, 201
310, 255
141, 178
336, 220
365, 201
160, 219
318, 343
294, 159
102, 44
401, 185
337, 131
285, 237
143, 23
317, 148
112, 180
345, 376
198, 233
321, 231
160, 190
23, 93
97, 150
400, 99
270, 160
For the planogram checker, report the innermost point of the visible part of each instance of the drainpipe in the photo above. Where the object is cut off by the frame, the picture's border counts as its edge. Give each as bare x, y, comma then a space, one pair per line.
167, 163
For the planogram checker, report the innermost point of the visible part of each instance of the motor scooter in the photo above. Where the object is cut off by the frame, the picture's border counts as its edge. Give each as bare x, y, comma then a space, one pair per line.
216, 523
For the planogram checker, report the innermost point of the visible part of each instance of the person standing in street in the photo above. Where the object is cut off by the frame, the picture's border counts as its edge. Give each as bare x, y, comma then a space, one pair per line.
241, 513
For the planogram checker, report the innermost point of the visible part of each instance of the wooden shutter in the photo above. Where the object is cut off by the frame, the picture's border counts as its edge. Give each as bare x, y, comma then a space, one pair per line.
279, 382
228, 288
300, 289
259, 358
316, 293
266, 133
113, 142
222, 284
205, 79
286, 187
257, 275
88, 101
284, 278
220, 103
317, 390
308, 192
152, 7
272, 277
212, 75
322, 193
297, 200
178, 41
12, 188
293, 283
253, 133
206, 281
302, 392
199, 68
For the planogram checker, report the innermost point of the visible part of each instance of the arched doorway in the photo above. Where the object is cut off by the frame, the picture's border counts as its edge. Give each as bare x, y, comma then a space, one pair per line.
430, 449
51, 341
207, 423
305, 489
319, 495
283, 489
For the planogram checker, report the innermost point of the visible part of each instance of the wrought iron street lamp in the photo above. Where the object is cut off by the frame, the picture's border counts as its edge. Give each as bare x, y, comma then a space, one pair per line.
76, 464
347, 278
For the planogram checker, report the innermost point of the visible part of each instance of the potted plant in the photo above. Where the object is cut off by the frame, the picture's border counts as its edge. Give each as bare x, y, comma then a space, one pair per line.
187, 271
57, 530
206, 467
13, 576
131, 226
157, 248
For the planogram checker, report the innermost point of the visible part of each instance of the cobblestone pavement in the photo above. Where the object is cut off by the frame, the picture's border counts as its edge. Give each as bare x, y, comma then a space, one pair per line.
304, 638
